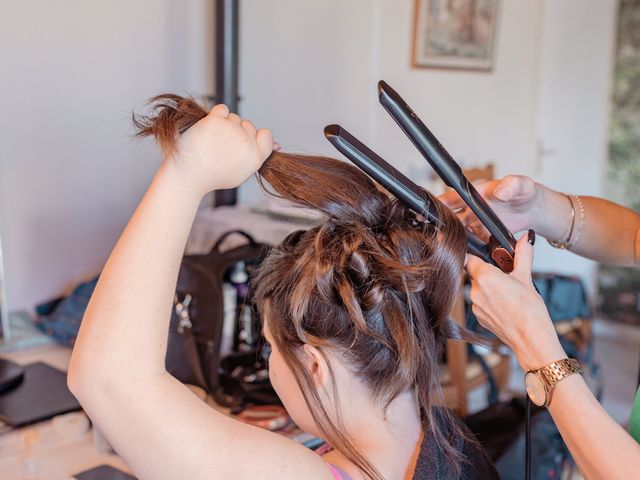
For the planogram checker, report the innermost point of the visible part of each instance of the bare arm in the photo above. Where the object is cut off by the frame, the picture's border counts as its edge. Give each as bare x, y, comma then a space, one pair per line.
117, 371
601, 448
610, 233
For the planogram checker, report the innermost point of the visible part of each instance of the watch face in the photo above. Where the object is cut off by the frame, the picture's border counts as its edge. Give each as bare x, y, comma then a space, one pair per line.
535, 389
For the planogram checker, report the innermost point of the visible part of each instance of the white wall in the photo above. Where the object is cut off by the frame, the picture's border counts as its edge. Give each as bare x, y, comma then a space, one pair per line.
70, 172
304, 65
480, 117
575, 84
549, 86
324, 63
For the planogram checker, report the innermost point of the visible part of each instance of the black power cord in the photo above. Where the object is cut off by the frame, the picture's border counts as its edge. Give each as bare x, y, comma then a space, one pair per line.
527, 441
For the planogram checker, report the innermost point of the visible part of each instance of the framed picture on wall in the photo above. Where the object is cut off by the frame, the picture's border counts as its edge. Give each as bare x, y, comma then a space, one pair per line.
454, 34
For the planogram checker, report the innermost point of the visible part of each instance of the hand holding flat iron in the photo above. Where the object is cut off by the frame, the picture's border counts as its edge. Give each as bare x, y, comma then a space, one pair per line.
515, 199
509, 306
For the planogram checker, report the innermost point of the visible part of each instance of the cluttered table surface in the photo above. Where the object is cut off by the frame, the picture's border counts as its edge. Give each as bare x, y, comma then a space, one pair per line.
56, 449
66, 445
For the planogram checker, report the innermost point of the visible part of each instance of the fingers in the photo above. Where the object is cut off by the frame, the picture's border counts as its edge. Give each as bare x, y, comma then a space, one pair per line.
234, 118
220, 110
452, 200
475, 266
486, 188
264, 138
504, 190
248, 127
524, 257
510, 187
522, 261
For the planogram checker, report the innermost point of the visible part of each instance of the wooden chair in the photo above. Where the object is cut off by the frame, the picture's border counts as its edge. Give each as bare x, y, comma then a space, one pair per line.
480, 174
460, 374
577, 331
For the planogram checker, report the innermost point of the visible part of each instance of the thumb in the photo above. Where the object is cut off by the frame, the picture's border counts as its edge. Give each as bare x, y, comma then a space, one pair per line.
264, 138
524, 257
508, 188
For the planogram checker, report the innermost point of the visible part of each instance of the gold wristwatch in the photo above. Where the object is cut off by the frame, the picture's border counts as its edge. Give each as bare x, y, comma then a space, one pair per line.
539, 383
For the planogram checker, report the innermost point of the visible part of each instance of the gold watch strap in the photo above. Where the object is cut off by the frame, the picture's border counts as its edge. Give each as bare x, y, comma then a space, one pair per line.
556, 371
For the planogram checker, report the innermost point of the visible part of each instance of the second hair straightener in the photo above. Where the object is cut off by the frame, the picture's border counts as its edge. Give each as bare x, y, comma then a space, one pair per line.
500, 248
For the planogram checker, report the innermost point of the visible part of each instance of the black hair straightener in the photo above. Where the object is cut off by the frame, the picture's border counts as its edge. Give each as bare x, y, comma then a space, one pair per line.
499, 250
414, 197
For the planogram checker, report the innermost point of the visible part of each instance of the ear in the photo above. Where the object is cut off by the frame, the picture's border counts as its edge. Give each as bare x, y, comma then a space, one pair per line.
317, 366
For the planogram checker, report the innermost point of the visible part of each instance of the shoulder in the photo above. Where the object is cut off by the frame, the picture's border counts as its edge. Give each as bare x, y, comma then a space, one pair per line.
337, 473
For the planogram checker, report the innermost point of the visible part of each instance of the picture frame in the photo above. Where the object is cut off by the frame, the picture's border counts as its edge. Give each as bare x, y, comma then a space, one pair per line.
455, 34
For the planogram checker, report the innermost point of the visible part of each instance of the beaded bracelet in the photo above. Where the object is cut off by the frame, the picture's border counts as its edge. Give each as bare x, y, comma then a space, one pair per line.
580, 226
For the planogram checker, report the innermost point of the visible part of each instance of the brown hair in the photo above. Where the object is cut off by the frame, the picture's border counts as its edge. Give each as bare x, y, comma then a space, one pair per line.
372, 282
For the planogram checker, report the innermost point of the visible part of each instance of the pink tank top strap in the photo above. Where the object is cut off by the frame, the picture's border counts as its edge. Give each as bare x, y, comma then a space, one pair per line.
337, 473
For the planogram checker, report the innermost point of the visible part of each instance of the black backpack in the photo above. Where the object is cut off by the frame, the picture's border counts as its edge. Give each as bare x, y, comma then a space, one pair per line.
197, 322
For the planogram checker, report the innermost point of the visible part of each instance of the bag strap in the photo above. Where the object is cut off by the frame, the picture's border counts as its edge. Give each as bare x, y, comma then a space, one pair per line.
220, 241
181, 310
194, 359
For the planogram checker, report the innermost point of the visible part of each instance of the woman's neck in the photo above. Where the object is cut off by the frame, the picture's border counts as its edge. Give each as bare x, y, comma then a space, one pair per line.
389, 438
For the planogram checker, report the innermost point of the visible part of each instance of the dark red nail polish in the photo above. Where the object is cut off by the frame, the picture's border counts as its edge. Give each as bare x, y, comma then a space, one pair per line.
531, 237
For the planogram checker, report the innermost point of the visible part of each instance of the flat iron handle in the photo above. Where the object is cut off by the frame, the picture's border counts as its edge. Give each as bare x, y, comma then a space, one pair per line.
477, 247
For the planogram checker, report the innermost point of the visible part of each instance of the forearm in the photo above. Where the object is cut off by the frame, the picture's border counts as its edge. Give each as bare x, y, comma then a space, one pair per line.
125, 326
600, 447
608, 234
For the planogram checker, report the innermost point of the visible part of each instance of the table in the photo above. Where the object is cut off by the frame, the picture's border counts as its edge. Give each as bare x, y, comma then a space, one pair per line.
55, 457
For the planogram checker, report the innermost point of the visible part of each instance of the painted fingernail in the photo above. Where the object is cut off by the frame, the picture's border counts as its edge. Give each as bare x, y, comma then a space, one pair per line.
531, 237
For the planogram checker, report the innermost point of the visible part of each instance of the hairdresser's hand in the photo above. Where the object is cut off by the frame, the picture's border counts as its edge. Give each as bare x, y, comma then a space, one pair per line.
220, 151
509, 306
516, 199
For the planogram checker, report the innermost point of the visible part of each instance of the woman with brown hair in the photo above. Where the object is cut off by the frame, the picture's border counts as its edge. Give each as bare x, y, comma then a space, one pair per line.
355, 311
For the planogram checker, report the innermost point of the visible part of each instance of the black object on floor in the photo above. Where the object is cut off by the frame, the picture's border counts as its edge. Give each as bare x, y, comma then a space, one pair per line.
42, 394
11, 374
104, 472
